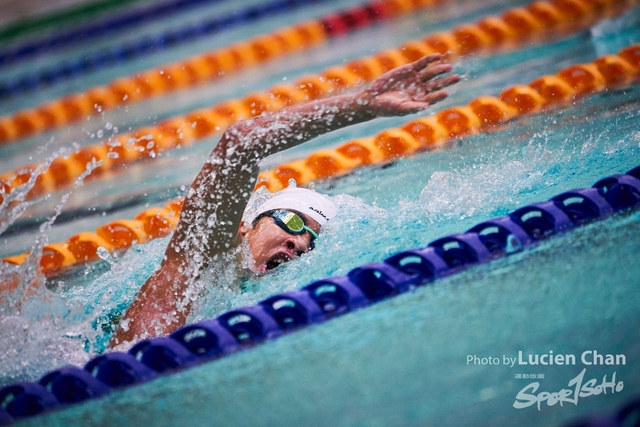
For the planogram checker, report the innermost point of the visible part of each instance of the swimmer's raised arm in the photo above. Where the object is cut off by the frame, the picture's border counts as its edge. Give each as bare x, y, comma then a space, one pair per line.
216, 200
225, 183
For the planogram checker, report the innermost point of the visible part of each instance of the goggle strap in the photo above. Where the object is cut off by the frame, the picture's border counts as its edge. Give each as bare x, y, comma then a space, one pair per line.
313, 233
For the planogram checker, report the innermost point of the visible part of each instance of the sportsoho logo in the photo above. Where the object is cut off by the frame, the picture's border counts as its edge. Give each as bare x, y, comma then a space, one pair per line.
577, 388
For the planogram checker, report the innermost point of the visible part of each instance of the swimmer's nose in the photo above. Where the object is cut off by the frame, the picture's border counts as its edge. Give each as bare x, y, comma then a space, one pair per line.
298, 244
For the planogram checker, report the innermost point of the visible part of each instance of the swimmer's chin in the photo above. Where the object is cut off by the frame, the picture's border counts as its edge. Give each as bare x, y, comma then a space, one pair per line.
263, 270
272, 263
266, 268
259, 270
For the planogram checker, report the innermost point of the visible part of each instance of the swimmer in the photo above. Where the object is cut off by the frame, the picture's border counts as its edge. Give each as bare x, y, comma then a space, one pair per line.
286, 225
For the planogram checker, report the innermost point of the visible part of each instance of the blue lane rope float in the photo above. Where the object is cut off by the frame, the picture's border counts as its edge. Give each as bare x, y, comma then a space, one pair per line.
123, 21
131, 50
324, 299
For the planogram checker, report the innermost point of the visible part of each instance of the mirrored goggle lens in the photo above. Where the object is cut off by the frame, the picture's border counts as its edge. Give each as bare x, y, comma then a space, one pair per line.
292, 221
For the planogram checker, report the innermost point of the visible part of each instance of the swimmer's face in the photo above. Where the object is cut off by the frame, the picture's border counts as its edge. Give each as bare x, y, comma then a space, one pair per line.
271, 246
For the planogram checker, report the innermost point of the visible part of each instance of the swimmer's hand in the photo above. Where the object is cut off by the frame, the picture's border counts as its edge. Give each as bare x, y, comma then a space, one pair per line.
410, 88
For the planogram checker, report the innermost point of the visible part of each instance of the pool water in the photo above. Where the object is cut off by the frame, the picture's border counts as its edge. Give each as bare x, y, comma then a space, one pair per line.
403, 361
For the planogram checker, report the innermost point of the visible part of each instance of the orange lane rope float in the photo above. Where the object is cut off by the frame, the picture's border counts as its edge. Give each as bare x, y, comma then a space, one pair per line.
490, 33
480, 115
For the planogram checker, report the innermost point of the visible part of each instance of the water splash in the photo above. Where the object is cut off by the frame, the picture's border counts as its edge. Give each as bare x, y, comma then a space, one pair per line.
36, 322
464, 192
104, 254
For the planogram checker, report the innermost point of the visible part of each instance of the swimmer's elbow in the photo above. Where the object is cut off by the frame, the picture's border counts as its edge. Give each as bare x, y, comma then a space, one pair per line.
238, 145
231, 140
238, 132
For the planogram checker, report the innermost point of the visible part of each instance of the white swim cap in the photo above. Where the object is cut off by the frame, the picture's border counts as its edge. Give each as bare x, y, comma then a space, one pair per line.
315, 205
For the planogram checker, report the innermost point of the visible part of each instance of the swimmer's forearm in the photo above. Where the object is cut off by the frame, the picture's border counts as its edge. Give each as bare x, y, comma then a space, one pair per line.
404, 90
271, 133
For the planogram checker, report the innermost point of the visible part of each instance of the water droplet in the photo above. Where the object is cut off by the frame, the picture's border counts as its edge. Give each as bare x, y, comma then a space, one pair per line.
104, 254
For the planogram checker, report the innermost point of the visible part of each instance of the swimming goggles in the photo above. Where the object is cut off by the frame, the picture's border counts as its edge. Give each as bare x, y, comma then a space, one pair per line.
292, 223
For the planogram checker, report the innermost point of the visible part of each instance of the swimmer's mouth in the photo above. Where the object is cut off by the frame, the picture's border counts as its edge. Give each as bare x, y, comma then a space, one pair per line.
276, 260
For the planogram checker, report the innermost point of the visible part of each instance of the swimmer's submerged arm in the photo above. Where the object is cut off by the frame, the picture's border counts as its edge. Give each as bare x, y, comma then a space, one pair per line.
216, 200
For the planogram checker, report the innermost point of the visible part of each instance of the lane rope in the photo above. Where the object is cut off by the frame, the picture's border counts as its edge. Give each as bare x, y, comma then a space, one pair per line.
67, 16
482, 114
199, 69
125, 21
129, 50
488, 34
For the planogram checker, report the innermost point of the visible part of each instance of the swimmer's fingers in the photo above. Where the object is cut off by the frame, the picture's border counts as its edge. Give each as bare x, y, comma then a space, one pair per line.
406, 73
421, 92
398, 104
442, 82
434, 97
410, 88
424, 102
431, 72
421, 76
424, 62
411, 108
